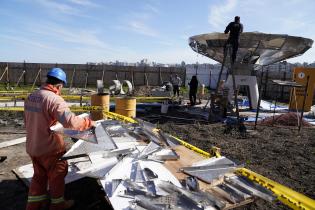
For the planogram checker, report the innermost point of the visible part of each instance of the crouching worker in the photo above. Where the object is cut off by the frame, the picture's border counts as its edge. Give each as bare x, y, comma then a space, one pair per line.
43, 108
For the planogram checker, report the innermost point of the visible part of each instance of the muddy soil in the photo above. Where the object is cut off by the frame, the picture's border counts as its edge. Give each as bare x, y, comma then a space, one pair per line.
279, 153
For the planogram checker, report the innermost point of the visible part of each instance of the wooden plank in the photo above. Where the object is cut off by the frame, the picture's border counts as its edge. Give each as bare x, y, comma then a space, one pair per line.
187, 158
12, 142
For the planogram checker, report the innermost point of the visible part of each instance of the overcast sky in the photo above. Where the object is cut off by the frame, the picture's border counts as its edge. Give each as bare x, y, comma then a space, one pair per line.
80, 31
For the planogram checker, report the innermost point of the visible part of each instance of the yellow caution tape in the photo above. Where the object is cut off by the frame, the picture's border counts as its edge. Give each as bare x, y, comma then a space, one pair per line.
13, 109
192, 147
12, 98
13, 91
83, 98
111, 115
286, 195
215, 151
116, 116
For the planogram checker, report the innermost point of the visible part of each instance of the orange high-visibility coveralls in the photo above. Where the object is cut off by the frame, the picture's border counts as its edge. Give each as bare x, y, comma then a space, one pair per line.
44, 108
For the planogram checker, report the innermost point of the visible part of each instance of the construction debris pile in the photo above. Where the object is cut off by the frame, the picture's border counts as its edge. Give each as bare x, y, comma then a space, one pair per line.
287, 119
141, 167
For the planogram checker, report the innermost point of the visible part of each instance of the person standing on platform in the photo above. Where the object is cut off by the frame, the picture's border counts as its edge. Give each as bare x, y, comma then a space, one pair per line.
234, 29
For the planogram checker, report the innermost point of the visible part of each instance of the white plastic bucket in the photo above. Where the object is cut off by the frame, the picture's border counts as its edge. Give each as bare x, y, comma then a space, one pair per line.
164, 108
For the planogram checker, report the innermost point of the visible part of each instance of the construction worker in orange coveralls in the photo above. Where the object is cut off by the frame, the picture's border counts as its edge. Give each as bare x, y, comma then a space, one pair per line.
43, 108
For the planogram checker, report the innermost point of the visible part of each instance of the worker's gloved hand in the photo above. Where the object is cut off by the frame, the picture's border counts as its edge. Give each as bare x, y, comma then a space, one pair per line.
93, 124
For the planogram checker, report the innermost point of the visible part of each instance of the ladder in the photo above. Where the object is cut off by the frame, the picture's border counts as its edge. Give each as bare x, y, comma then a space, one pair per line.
226, 51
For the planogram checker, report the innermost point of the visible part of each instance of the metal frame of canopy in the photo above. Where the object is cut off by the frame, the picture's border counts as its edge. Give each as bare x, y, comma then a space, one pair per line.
254, 49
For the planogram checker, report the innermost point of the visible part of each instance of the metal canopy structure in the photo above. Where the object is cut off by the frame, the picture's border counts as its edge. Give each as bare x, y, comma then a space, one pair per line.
254, 48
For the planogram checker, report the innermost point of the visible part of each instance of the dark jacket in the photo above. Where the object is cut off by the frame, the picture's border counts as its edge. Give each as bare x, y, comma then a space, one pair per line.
235, 29
193, 84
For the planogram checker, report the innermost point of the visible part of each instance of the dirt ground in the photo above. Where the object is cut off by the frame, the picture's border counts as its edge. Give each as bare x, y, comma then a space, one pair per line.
279, 153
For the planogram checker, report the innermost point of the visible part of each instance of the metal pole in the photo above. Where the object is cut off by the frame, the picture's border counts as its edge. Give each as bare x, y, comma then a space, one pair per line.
5, 70
259, 97
184, 76
282, 88
24, 78
304, 100
146, 82
86, 79
8, 79
86, 75
274, 108
132, 77
235, 94
266, 81
210, 78
36, 79
17, 83
219, 78
103, 72
72, 77
160, 76
40, 76
218, 82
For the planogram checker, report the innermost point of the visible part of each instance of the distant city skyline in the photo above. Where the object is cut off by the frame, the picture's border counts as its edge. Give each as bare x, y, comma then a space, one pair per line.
81, 31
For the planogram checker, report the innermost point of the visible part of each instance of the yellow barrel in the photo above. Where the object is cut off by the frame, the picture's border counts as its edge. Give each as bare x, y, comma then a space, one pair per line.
126, 106
101, 99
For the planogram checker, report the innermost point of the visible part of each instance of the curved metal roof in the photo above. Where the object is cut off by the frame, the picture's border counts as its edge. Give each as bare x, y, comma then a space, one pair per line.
254, 48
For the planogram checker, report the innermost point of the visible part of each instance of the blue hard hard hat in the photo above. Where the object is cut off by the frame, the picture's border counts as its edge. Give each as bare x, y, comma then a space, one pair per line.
58, 73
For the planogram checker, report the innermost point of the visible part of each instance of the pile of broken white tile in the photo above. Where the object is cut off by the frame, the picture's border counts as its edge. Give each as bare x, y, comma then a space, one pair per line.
128, 159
